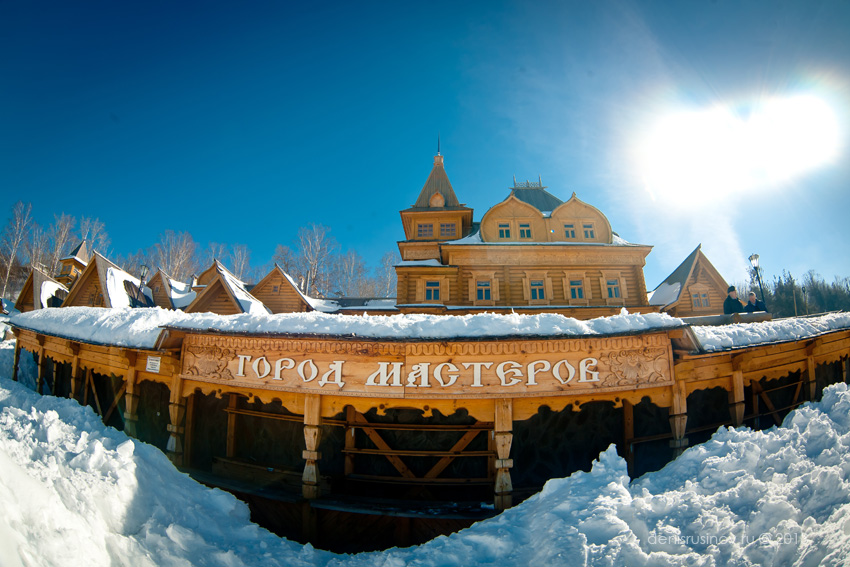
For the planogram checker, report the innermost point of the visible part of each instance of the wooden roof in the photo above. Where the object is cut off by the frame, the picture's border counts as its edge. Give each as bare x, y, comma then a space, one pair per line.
32, 294
438, 182
680, 276
94, 277
224, 293
81, 253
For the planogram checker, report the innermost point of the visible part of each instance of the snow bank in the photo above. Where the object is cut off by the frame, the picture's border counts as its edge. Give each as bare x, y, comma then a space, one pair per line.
76, 493
140, 327
746, 334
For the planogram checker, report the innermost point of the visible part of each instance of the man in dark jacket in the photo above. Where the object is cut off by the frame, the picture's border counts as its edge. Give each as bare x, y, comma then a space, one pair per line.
754, 304
732, 304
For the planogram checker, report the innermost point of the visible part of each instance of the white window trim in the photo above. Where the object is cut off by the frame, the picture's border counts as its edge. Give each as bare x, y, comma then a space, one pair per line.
474, 278
420, 289
624, 294
585, 285
547, 287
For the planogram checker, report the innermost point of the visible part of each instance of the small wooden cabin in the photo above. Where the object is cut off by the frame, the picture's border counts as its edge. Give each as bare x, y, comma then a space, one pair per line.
104, 284
695, 288
40, 291
279, 293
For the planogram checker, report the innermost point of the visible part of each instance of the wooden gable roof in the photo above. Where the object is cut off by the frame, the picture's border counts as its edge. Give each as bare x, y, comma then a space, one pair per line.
40, 291
279, 293
93, 287
696, 269
224, 294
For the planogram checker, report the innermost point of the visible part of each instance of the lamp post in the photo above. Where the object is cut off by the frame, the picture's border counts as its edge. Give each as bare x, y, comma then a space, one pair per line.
143, 273
754, 260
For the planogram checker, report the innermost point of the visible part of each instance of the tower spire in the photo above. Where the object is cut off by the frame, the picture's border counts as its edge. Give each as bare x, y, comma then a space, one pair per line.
438, 143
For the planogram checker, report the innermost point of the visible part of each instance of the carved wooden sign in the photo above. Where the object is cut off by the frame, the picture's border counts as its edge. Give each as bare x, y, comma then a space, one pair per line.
421, 370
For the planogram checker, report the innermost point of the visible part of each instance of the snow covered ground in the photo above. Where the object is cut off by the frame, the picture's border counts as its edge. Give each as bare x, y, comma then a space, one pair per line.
76, 493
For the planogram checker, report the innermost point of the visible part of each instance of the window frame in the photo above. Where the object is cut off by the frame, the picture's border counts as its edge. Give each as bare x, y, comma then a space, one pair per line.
483, 276
542, 276
422, 225
610, 275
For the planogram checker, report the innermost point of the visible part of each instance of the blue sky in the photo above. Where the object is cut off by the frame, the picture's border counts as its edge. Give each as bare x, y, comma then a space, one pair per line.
240, 122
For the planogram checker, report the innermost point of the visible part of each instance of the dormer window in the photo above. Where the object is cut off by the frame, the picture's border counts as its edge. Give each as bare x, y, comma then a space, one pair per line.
570, 231
524, 230
425, 231
589, 233
504, 230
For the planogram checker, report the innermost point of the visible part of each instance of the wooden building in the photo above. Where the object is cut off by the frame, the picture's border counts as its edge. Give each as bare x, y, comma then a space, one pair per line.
104, 284
169, 293
73, 264
694, 289
532, 252
40, 291
219, 291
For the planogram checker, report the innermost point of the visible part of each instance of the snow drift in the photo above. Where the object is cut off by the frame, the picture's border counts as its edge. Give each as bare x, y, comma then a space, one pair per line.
75, 492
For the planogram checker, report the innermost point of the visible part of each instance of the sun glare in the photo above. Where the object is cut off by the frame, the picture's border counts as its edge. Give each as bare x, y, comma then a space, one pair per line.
693, 156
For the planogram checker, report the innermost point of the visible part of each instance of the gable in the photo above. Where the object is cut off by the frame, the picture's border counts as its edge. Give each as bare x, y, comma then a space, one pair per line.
25, 301
580, 214
214, 299
278, 294
513, 212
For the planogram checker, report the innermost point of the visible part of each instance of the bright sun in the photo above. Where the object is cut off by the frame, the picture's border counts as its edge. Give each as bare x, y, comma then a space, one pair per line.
708, 154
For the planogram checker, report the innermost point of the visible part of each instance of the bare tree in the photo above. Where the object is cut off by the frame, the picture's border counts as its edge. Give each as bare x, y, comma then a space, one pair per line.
386, 280
215, 251
175, 253
240, 259
316, 246
94, 231
36, 247
289, 261
350, 275
59, 235
13, 238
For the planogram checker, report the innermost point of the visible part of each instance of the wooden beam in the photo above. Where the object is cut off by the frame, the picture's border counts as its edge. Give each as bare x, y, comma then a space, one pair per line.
75, 371
736, 397
376, 438
458, 447
187, 440
350, 440
810, 373
16, 361
679, 417
114, 403
312, 437
176, 413
629, 435
90, 377
503, 427
767, 401
131, 397
232, 404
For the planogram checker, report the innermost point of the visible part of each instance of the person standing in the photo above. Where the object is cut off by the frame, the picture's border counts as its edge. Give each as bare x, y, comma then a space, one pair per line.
732, 304
754, 304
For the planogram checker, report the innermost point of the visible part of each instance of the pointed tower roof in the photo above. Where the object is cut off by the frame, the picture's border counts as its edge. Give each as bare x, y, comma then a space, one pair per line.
81, 253
437, 184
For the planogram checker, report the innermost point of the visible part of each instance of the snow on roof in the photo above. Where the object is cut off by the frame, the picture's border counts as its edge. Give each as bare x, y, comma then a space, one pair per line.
727, 337
247, 302
49, 289
140, 327
408, 263
97, 492
117, 291
664, 294
475, 239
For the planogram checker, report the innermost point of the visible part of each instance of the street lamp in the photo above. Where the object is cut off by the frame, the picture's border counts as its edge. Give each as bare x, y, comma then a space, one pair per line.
143, 273
754, 260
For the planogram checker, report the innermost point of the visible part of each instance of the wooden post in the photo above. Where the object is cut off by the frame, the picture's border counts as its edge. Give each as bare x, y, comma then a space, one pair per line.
679, 418
15, 361
232, 404
39, 381
736, 396
75, 371
629, 435
176, 413
350, 441
810, 372
131, 397
503, 436
190, 420
847, 369
312, 436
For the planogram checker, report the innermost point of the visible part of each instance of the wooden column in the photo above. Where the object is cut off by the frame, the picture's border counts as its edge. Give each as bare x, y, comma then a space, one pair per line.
628, 436
39, 381
810, 372
131, 397
176, 412
232, 404
679, 418
736, 395
16, 361
76, 372
187, 438
350, 417
503, 437
312, 436
846, 362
